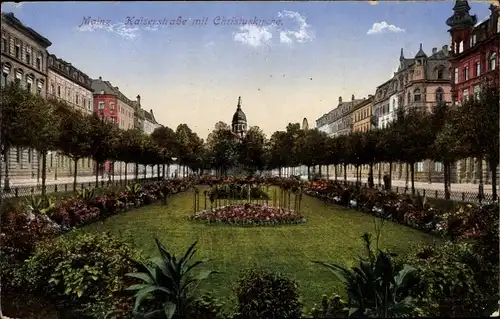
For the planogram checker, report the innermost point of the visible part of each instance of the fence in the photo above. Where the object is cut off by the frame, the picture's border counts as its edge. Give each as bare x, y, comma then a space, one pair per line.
468, 197
23, 191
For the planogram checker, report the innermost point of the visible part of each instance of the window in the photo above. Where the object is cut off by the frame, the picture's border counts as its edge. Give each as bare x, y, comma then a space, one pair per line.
5, 45
456, 75
29, 82
39, 86
438, 167
477, 92
440, 72
29, 155
416, 95
39, 63
17, 52
84, 102
409, 97
465, 95
28, 58
461, 47
90, 107
420, 166
18, 154
478, 69
58, 91
492, 61
101, 105
112, 106
466, 73
439, 95
76, 99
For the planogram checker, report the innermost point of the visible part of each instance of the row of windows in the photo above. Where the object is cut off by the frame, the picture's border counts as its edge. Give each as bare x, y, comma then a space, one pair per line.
492, 65
26, 81
239, 127
22, 52
361, 114
122, 110
466, 93
83, 101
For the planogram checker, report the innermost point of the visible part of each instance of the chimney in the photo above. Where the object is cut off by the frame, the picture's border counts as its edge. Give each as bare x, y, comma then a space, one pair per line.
100, 79
445, 48
434, 50
340, 99
353, 97
138, 99
117, 88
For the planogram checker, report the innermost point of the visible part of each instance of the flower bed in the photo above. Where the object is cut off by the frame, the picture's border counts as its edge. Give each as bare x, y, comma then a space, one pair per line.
249, 215
465, 222
38, 218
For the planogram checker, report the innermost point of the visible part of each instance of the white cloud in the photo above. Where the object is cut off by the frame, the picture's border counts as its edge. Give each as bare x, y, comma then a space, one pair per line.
252, 35
384, 27
18, 5
127, 32
304, 32
373, 2
209, 44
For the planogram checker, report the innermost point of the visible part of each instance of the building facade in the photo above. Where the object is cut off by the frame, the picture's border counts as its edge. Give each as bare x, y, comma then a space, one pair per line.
23, 60
420, 82
362, 115
69, 84
150, 123
475, 59
112, 104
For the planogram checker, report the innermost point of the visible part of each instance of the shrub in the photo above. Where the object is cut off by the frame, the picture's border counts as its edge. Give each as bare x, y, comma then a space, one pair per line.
205, 307
167, 282
377, 287
84, 272
73, 212
453, 281
264, 294
333, 307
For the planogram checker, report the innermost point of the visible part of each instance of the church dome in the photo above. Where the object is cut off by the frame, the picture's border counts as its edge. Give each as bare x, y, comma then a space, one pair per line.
239, 116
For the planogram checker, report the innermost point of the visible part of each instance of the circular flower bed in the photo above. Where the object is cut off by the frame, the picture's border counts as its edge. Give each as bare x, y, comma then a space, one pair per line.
249, 215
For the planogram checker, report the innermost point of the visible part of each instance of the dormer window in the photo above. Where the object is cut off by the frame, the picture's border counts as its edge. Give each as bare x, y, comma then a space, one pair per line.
440, 72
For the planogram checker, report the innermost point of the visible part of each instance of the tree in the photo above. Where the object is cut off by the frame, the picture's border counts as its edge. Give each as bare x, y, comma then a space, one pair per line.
44, 126
16, 111
479, 121
252, 150
102, 136
310, 148
223, 148
279, 149
128, 148
166, 139
73, 138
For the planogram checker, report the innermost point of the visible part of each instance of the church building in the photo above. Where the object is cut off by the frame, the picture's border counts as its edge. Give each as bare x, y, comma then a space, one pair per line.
239, 123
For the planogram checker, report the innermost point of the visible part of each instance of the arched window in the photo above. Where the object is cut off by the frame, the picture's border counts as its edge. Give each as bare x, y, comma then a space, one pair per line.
439, 95
492, 61
416, 95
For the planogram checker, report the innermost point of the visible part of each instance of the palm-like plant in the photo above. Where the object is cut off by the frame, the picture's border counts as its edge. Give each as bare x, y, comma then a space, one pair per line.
168, 282
375, 289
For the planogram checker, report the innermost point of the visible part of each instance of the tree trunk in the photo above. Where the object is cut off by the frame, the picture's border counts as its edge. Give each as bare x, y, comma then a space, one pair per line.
96, 174
136, 171
320, 168
446, 179
412, 178
327, 172
379, 173
493, 168
163, 171
126, 166
345, 173
335, 171
481, 184
75, 160
145, 171
407, 177
44, 172
390, 175
308, 172
7, 163
370, 176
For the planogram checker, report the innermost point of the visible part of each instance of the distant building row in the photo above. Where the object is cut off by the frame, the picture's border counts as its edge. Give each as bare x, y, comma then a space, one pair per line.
25, 59
450, 74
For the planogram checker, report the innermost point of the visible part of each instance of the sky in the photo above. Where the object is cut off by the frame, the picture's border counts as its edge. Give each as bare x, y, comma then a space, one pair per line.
289, 61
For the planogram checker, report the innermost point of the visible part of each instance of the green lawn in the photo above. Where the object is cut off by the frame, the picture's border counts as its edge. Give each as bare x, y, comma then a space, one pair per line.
331, 234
